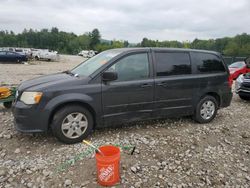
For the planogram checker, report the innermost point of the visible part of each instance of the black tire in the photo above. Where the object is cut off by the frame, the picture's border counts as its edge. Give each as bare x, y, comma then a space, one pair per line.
19, 61
60, 117
198, 115
36, 58
243, 97
7, 105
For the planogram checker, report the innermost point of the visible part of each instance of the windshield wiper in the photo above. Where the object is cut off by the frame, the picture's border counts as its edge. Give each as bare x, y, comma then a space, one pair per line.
70, 73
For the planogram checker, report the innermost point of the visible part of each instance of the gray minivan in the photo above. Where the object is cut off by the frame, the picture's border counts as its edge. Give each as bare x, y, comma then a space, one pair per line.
124, 85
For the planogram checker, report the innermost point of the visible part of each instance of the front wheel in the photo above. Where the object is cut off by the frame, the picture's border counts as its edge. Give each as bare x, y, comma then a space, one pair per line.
243, 97
7, 105
19, 61
206, 109
72, 124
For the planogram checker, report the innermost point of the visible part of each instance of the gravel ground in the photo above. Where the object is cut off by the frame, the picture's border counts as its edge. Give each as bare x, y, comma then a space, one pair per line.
169, 152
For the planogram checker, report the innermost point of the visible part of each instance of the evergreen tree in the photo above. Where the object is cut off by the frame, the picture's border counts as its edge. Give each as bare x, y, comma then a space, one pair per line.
95, 38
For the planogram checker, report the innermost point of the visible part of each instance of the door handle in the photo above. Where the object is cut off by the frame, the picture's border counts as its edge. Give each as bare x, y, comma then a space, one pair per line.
162, 84
146, 85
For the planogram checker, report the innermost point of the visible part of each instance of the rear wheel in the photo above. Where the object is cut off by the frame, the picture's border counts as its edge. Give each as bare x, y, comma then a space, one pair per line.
72, 124
206, 109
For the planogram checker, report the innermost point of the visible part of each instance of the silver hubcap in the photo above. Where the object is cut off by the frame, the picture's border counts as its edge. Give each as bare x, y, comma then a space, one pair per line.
207, 110
74, 125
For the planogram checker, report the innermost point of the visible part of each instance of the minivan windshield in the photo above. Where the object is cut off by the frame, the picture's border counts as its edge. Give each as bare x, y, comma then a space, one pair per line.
91, 65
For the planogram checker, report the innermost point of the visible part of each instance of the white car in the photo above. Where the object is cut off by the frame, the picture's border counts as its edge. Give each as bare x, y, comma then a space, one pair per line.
87, 53
25, 51
45, 54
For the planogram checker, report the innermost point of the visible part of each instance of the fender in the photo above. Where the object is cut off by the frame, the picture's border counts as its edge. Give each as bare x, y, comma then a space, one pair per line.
61, 99
56, 101
202, 92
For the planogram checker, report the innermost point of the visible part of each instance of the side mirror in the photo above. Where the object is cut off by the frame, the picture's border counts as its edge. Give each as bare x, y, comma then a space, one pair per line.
109, 76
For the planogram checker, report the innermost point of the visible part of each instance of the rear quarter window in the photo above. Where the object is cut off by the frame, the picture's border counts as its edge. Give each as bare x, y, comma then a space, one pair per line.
206, 63
172, 63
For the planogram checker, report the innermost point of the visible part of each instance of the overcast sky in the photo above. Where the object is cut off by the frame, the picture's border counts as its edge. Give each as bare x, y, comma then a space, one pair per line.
131, 19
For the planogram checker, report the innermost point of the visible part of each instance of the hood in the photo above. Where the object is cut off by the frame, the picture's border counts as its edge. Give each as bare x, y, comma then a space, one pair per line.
43, 82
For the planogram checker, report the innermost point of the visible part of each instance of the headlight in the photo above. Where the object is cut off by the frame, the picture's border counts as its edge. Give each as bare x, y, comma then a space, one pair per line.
239, 81
31, 97
240, 78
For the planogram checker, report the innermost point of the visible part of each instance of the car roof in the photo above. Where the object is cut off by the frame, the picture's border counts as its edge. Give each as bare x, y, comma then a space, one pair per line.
239, 62
162, 49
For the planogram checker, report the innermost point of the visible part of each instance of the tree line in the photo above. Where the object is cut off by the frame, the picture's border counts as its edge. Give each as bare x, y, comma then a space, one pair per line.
63, 42
70, 43
238, 45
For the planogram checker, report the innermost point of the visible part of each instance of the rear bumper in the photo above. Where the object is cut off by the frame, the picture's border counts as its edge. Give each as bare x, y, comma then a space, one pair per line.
28, 118
226, 99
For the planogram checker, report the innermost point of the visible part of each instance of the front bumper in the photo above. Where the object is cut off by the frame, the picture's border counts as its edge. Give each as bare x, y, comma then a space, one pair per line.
29, 118
242, 88
243, 92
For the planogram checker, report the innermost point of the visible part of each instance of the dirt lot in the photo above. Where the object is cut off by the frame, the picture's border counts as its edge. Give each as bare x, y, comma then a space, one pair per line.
13, 74
169, 153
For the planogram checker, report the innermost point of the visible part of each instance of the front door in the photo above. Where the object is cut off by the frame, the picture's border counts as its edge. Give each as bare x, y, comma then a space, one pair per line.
130, 97
174, 83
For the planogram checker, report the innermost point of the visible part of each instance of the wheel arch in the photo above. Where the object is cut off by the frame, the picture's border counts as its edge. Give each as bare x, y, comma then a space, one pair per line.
72, 102
215, 95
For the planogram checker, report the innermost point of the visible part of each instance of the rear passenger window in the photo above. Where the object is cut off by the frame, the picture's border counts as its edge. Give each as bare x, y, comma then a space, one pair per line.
172, 63
205, 63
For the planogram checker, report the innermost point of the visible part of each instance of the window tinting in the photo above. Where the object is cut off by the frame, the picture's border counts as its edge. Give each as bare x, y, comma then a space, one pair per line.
172, 63
132, 67
205, 62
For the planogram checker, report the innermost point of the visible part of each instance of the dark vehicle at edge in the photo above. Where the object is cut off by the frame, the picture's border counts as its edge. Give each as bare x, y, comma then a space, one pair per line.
242, 84
124, 85
8, 56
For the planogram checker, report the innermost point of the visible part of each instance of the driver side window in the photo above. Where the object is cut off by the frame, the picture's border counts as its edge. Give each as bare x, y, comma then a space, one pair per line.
132, 67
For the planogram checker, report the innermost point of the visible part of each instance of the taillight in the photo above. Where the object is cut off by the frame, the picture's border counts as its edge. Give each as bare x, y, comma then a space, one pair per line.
230, 81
